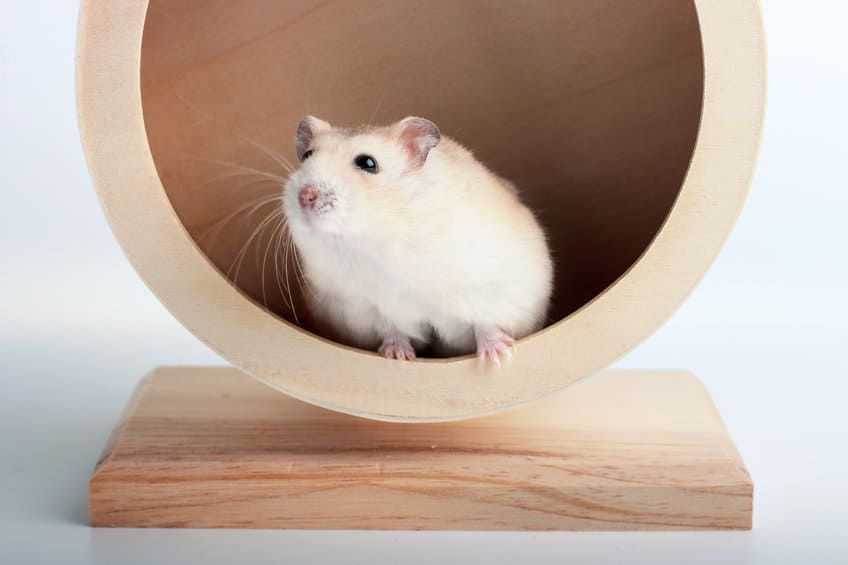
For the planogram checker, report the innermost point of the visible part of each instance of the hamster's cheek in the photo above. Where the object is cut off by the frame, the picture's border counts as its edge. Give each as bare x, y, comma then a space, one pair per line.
291, 207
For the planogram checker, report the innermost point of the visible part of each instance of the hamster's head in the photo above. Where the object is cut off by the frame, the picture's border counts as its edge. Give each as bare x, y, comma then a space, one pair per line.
351, 183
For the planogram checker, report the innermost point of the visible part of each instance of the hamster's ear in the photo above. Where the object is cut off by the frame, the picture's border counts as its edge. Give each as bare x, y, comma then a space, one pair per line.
309, 127
418, 136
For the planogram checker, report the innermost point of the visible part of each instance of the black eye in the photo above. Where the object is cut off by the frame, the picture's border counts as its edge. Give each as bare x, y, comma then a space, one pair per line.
306, 155
366, 163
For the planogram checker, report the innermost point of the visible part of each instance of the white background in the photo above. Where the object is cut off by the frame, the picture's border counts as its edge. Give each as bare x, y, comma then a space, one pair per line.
765, 331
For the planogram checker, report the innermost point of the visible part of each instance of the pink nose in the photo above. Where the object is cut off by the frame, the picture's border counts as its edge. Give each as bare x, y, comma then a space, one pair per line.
308, 196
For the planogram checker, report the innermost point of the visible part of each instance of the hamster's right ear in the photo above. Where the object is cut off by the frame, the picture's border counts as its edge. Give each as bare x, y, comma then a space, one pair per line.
418, 136
309, 127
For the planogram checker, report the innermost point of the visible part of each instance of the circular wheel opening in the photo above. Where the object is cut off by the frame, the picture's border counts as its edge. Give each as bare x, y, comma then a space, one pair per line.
590, 108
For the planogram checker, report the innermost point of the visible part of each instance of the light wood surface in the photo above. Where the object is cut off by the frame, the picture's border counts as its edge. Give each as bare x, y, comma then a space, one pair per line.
210, 447
608, 176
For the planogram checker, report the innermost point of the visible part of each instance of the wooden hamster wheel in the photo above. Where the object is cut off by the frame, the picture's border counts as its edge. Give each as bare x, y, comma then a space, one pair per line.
631, 128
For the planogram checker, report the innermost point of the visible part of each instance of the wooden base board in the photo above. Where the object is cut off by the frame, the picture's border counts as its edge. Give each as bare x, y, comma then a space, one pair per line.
624, 450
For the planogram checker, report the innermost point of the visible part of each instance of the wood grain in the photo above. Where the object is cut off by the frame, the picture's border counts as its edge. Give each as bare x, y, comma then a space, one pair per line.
211, 447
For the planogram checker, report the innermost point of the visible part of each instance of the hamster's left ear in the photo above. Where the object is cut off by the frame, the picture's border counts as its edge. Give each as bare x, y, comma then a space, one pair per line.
309, 127
418, 136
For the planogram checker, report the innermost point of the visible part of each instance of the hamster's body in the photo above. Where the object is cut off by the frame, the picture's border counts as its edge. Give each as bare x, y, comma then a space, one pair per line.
438, 251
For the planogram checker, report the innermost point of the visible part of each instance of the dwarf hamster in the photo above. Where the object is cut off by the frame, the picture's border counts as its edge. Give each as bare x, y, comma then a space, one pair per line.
408, 242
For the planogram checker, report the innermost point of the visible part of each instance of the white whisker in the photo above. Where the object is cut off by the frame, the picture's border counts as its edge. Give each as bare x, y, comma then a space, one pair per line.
249, 208
279, 159
277, 271
239, 259
264, 261
288, 285
377, 109
245, 168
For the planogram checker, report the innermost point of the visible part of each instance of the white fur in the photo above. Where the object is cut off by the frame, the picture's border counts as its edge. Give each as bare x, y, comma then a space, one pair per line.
443, 248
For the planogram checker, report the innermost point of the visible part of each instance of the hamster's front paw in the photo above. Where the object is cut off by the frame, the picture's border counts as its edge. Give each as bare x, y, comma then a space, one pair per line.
493, 344
397, 347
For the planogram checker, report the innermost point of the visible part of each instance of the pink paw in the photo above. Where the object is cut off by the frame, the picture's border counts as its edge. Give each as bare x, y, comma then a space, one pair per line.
397, 348
493, 345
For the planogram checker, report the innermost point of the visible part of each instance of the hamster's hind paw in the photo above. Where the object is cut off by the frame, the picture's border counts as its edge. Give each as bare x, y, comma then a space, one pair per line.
397, 347
493, 345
